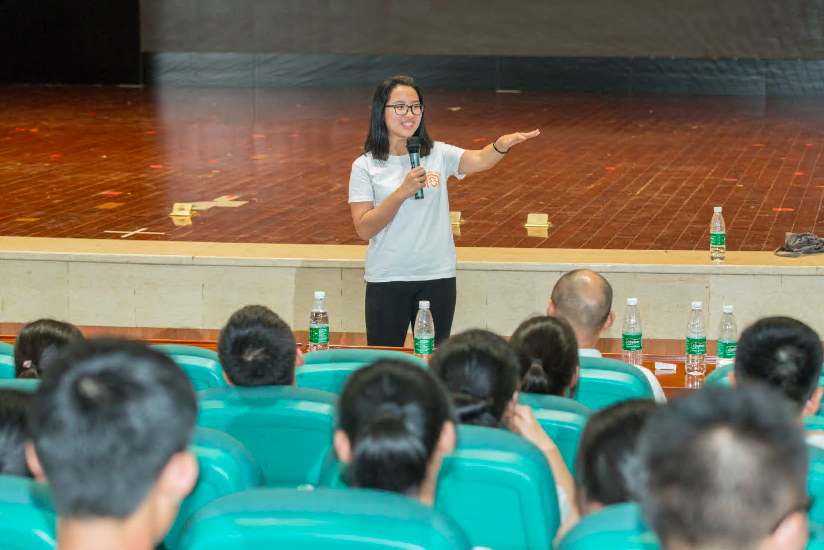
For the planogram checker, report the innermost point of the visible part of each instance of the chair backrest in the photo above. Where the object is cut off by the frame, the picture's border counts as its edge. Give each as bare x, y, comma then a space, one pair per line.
200, 364
815, 483
324, 519
27, 517
617, 527
720, 376
287, 430
6, 361
328, 370
603, 382
226, 467
22, 384
562, 419
496, 486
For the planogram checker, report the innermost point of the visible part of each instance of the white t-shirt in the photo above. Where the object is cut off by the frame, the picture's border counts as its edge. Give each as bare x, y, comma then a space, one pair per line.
416, 245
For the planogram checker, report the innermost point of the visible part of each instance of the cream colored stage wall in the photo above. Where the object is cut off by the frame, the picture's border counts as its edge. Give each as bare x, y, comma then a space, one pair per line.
198, 285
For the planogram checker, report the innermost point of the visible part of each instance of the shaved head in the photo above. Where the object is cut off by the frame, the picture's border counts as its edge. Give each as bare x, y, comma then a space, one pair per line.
584, 299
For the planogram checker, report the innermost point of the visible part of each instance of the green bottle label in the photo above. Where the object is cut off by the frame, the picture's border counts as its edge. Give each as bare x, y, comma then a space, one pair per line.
697, 346
424, 346
726, 350
631, 342
319, 334
718, 239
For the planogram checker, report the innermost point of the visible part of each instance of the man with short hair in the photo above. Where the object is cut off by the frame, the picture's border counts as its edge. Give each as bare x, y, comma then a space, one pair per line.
258, 348
725, 469
786, 355
584, 299
110, 425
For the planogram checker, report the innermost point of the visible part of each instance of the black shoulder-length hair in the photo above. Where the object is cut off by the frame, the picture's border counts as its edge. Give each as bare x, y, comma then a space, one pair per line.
377, 141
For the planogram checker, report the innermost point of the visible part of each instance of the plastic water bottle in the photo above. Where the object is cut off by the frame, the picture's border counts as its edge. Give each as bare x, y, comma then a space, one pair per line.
424, 332
696, 341
319, 324
631, 334
727, 338
718, 236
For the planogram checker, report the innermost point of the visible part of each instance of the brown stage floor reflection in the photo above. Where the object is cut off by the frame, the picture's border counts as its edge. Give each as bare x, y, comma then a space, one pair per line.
611, 172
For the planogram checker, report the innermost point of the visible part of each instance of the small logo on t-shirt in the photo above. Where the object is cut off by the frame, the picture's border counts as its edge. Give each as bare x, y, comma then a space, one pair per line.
433, 179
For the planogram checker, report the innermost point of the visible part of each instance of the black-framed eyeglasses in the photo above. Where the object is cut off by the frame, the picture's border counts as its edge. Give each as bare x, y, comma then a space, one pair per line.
805, 506
402, 108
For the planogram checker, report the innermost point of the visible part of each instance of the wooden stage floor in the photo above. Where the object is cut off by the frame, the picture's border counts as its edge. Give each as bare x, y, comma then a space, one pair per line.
611, 172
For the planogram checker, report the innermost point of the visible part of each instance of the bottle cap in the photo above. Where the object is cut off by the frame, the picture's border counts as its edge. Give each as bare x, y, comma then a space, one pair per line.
320, 295
632, 301
727, 308
424, 304
696, 305
716, 209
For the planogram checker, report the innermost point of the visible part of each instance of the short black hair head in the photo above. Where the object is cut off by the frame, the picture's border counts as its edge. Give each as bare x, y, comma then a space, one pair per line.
37, 342
722, 468
584, 299
782, 353
377, 141
548, 355
606, 453
481, 372
13, 405
257, 348
393, 413
106, 419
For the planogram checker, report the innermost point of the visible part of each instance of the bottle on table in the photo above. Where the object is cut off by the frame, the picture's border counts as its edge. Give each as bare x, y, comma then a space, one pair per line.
631, 345
696, 360
718, 236
727, 338
319, 324
424, 332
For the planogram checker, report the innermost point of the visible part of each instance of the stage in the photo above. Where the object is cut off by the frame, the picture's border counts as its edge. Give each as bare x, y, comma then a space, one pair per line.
90, 176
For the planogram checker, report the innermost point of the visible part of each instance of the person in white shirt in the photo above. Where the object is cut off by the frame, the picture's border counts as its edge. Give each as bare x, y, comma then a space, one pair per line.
785, 354
584, 299
411, 253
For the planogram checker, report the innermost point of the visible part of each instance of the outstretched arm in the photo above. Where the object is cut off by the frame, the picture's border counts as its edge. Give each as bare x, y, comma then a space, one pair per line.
489, 156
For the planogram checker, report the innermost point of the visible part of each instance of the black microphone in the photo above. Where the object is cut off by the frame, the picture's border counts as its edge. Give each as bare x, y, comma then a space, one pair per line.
413, 145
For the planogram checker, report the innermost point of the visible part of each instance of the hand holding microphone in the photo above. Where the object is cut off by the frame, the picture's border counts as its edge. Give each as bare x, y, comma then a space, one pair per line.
413, 145
414, 182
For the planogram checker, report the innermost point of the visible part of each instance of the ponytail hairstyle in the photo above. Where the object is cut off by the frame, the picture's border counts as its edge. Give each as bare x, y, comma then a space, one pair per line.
377, 141
548, 356
606, 452
38, 342
481, 372
393, 414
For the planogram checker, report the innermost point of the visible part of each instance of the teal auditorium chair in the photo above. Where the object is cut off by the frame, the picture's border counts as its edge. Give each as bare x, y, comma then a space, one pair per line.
200, 364
6, 361
324, 519
603, 382
22, 384
617, 527
815, 483
721, 377
226, 467
287, 430
562, 419
496, 486
27, 519
327, 370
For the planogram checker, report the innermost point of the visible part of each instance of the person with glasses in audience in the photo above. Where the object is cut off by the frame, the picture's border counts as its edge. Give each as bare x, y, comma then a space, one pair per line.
786, 355
110, 425
725, 469
411, 253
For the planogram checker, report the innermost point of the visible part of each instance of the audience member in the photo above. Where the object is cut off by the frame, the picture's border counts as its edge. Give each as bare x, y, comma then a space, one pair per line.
481, 372
786, 355
13, 405
257, 348
37, 342
396, 425
110, 424
548, 355
584, 299
725, 469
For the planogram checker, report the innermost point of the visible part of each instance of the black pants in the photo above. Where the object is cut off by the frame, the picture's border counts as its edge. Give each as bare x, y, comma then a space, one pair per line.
391, 307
